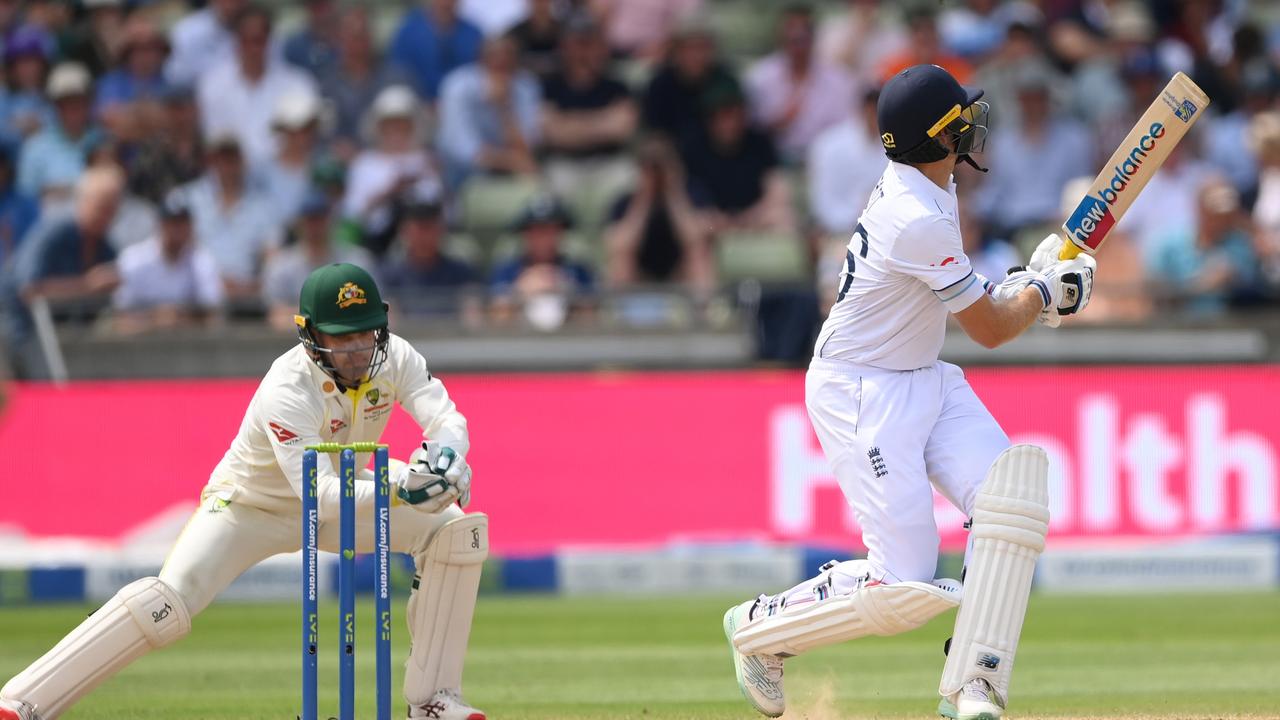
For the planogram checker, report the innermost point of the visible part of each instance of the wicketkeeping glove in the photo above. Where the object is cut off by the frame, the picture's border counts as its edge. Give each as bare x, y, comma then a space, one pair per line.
434, 478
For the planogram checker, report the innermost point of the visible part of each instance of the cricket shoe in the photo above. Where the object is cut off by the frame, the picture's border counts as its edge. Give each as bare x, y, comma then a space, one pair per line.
14, 710
977, 700
446, 704
759, 676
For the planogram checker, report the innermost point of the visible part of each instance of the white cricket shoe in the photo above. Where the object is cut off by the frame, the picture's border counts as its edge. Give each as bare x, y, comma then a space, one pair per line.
14, 710
977, 700
759, 676
446, 704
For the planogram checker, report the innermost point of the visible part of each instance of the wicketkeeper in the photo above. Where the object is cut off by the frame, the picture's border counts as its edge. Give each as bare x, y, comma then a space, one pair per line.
895, 422
338, 385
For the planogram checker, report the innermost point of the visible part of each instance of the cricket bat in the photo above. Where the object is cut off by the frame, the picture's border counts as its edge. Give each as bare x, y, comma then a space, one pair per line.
1143, 151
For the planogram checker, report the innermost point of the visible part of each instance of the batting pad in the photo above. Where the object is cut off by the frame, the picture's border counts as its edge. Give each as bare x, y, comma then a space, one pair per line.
441, 607
143, 615
1010, 521
875, 610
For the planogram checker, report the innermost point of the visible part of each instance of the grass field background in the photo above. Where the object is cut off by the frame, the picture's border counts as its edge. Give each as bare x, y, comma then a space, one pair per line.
549, 658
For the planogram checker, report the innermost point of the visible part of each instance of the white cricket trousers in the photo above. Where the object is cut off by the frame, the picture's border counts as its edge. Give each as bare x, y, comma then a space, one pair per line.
223, 539
889, 435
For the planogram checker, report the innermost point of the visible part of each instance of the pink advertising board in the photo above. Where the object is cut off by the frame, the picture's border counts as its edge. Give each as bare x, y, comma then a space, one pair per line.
643, 459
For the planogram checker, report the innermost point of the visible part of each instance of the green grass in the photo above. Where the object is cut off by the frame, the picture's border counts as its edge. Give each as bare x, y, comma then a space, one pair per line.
573, 659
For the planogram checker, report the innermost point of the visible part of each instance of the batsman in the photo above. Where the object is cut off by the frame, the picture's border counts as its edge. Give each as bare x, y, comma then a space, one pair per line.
895, 422
339, 384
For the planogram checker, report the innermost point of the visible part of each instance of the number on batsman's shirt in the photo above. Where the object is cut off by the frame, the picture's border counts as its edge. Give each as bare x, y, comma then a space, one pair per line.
905, 270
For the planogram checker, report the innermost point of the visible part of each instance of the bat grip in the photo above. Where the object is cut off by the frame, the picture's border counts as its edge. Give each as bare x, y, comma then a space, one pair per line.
1069, 250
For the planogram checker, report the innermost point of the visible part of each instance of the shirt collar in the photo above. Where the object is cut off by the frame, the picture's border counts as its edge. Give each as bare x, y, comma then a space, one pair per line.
328, 387
916, 181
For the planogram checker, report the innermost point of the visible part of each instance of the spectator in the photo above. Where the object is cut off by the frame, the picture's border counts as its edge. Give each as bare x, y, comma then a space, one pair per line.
240, 94
1020, 54
10, 19
924, 46
18, 211
166, 280
1226, 135
313, 246
654, 233
424, 279
51, 161
137, 85
542, 279
287, 175
588, 116
539, 38
66, 261
861, 38
234, 222
974, 29
733, 169
489, 116
673, 101
353, 82
845, 163
794, 93
432, 41
24, 110
1168, 202
639, 28
136, 217
314, 47
92, 39
172, 152
395, 164
493, 17
1211, 266
1031, 163
202, 41
1264, 142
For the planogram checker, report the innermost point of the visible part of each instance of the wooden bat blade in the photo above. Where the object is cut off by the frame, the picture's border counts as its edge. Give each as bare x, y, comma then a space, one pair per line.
1143, 151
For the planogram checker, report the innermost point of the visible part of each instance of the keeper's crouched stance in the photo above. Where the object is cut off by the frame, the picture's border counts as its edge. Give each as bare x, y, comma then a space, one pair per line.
338, 385
895, 423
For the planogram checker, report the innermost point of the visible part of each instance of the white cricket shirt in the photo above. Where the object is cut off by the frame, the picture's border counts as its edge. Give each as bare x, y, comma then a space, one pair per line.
905, 270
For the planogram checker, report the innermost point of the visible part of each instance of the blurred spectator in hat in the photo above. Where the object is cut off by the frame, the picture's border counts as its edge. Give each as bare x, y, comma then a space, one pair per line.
136, 217
924, 46
312, 246
94, 35
542, 280
489, 115
733, 169
354, 81
493, 17
234, 221
51, 160
588, 116
1020, 50
395, 163
171, 152
861, 36
1225, 136
202, 40
1264, 142
432, 41
539, 38
18, 211
287, 175
640, 29
1032, 161
655, 234
240, 94
418, 272
845, 163
68, 261
167, 280
1248, 54
794, 93
1211, 265
314, 46
672, 102
329, 176
24, 109
137, 85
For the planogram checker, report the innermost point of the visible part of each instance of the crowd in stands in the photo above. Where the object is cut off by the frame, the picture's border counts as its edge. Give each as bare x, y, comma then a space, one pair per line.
508, 162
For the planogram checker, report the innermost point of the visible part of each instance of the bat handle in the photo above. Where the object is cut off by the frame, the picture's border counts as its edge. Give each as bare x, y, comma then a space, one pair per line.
1069, 250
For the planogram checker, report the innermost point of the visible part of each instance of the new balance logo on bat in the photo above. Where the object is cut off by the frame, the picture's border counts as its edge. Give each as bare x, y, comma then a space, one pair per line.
1092, 218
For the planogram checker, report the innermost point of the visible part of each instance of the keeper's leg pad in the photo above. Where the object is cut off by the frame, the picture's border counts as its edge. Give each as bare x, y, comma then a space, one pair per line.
442, 604
145, 614
867, 610
1010, 521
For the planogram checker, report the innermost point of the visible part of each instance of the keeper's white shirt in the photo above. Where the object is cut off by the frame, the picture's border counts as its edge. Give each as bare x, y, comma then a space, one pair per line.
297, 404
905, 270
